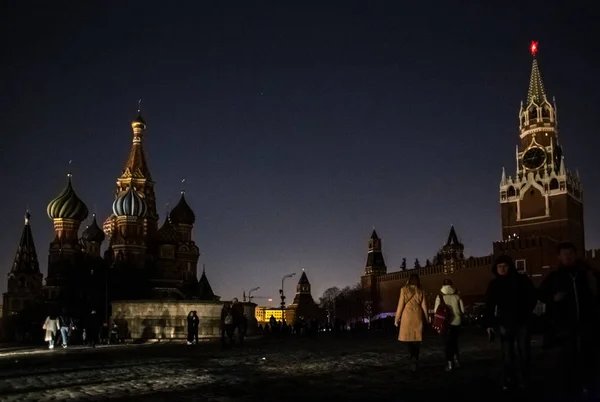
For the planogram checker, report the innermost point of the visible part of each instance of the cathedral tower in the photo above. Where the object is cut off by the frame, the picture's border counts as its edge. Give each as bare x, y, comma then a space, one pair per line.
128, 240
543, 198
67, 211
24, 278
375, 262
92, 238
137, 174
187, 254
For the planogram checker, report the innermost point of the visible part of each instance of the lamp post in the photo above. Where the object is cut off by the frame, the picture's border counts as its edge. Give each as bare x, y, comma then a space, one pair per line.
250, 293
283, 295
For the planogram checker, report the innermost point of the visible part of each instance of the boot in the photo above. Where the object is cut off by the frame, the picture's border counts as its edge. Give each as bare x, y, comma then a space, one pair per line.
449, 366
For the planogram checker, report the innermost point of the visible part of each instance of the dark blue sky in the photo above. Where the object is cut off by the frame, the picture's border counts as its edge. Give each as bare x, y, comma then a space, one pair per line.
297, 127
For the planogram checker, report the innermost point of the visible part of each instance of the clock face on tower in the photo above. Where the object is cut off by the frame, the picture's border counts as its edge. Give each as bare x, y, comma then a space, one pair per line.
534, 158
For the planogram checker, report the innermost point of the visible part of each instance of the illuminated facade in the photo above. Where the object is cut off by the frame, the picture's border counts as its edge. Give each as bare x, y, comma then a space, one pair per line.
541, 206
141, 260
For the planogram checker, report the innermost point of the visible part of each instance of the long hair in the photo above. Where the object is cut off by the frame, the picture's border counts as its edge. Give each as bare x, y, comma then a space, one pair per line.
447, 282
413, 280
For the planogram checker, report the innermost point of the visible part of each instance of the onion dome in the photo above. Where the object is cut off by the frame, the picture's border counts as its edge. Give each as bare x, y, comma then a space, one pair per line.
167, 234
67, 205
130, 203
93, 233
182, 213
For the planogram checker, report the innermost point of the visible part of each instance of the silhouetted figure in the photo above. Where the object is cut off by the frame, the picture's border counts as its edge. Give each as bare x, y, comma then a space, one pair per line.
237, 309
510, 300
411, 315
92, 329
571, 293
227, 325
66, 327
192, 326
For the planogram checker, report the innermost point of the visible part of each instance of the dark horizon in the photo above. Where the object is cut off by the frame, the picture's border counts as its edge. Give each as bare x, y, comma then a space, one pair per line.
296, 128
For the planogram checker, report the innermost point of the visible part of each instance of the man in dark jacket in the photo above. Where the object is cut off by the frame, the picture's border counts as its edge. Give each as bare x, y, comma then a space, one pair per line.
510, 300
571, 295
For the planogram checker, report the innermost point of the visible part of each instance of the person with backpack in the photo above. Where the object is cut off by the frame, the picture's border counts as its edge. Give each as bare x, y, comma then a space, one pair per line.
572, 296
449, 310
510, 300
411, 315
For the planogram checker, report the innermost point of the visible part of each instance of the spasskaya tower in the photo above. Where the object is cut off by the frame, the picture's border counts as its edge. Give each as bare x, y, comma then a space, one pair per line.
543, 198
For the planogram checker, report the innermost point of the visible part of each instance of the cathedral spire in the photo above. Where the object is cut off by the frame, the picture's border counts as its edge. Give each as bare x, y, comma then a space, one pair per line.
26, 260
536, 92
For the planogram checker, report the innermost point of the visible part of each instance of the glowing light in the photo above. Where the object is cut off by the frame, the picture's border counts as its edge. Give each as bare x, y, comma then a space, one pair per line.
533, 48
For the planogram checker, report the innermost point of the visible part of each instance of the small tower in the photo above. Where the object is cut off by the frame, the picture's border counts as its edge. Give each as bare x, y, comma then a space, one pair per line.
92, 238
375, 262
303, 305
204, 290
128, 241
452, 252
187, 253
24, 278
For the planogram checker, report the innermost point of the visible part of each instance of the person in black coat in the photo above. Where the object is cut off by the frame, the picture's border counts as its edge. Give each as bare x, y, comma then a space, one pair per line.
572, 299
510, 300
92, 329
192, 321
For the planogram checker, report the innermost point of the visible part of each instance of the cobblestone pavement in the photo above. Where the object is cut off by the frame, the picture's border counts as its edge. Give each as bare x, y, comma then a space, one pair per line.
351, 367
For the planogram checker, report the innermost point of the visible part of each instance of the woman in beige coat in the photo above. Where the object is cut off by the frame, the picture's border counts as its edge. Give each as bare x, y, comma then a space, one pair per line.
412, 315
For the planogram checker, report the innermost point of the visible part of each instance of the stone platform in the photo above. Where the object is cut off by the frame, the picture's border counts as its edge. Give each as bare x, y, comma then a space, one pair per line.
165, 320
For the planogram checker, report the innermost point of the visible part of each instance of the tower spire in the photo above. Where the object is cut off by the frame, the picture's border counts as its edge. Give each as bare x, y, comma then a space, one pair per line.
26, 260
536, 92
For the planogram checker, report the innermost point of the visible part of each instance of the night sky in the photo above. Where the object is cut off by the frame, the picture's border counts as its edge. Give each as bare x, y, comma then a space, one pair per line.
296, 127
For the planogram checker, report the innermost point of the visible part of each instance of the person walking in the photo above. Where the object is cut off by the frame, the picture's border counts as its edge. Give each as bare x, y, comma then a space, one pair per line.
411, 315
571, 294
227, 325
237, 310
52, 326
456, 310
510, 300
66, 326
92, 329
192, 321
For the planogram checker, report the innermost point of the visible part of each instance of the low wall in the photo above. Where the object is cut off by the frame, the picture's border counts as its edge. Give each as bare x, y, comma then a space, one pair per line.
164, 320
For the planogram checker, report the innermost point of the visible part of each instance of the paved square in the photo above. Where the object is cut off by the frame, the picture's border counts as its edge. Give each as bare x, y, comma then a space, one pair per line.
346, 368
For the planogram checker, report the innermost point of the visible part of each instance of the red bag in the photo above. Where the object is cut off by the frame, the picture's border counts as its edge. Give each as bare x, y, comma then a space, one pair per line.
442, 316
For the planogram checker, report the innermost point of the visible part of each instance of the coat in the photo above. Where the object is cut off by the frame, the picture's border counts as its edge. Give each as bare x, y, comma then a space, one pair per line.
51, 326
411, 312
454, 303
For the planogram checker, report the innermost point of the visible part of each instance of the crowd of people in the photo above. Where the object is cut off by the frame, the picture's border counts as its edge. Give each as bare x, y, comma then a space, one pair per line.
572, 303
62, 329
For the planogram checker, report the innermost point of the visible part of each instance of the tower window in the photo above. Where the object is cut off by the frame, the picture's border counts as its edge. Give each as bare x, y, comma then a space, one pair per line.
553, 184
533, 113
511, 191
546, 112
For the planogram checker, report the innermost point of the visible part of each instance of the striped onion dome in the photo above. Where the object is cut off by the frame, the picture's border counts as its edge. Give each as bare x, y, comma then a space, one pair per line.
93, 233
67, 205
130, 203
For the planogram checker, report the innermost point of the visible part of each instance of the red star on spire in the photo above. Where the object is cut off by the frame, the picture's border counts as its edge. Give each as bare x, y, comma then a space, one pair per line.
533, 48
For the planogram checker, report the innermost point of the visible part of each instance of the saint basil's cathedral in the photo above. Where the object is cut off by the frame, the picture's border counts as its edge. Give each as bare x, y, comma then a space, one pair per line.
141, 261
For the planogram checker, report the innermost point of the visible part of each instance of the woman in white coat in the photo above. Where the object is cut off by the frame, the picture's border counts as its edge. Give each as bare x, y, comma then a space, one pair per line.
52, 327
457, 310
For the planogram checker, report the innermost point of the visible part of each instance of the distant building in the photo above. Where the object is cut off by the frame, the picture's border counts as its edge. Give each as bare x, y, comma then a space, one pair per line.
302, 306
541, 206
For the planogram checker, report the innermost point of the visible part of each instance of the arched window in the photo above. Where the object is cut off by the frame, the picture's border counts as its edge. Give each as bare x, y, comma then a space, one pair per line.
553, 184
511, 191
546, 112
533, 113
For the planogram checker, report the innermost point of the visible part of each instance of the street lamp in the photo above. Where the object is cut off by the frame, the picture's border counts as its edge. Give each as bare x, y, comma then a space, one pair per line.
282, 295
250, 293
